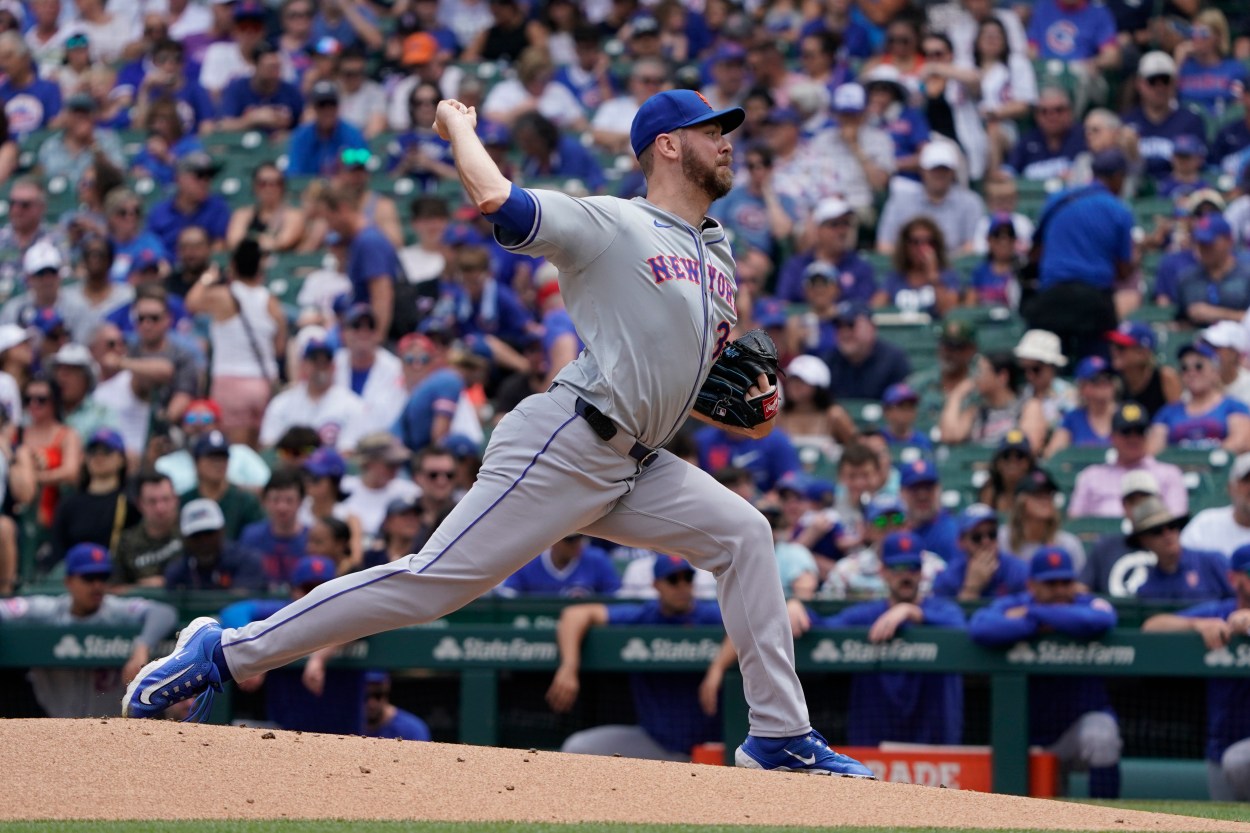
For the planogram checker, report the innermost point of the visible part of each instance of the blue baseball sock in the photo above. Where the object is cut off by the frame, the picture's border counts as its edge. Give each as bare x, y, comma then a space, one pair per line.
219, 660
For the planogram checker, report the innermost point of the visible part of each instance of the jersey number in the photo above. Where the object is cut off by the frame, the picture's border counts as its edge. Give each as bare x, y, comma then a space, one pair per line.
723, 328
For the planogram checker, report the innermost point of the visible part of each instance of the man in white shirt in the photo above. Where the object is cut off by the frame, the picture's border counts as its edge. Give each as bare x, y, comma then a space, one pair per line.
334, 412
382, 457
1231, 343
1224, 528
227, 60
369, 370
610, 126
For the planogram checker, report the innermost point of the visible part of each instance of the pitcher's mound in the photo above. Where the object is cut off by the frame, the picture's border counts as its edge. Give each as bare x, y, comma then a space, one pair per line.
139, 769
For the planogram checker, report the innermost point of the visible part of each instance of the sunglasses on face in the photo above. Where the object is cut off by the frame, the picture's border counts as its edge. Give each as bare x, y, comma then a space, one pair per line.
1159, 80
36, 399
127, 212
889, 519
920, 241
364, 324
438, 474
199, 418
22, 203
1196, 367
1015, 456
679, 578
150, 318
983, 537
419, 358
1174, 526
377, 695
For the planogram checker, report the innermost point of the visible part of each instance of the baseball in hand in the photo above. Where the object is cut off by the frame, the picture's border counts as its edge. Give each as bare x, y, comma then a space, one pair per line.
449, 109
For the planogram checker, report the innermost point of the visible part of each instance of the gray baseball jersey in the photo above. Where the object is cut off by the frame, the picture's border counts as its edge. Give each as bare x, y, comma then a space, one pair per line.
88, 692
653, 300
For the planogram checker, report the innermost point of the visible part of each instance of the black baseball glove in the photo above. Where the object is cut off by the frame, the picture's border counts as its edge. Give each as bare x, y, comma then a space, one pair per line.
723, 396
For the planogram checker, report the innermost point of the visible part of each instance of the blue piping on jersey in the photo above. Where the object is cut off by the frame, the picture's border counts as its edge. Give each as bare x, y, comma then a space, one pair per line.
703, 290
404, 571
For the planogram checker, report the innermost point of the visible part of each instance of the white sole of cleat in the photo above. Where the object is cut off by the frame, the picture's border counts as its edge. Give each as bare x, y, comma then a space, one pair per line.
194, 627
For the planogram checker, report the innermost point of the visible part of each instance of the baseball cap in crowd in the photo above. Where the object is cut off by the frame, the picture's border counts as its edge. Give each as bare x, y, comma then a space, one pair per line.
1091, 367
644, 25
977, 513
359, 312
419, 48
916, 473
886, 75
88, 560
400, 506
78, 40
882, 506
1239, 561
81, 103
318, 347
792, 481
1002, 220
674, 109
818, 271
1041, 346
377, 677
849, 311
830, 208
201, 515
1134, 334
1205, 196
461, 446
670, 565
849, 98
1108, 162
493, 133
214, 442
958, 334
1210, 227
783, 115
1038, 482
249, 10
200, 163
1187, 144
902, 549
76, 355
728, 52
382, 446
324, 92
1139, 482
42, 257
1227, 334
48, 320
899, 392
820, 491
205, 411
810, 369
770, 313
12, 335
1128, 417
1199, 347
311, 570
1240, 469
939, 154
106, 438
1014, 440
143, 261
1156, 63
1051, 564
325, 462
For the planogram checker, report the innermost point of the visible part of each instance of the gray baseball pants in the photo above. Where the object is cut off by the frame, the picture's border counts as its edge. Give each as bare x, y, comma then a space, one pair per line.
545, 475
1229, 780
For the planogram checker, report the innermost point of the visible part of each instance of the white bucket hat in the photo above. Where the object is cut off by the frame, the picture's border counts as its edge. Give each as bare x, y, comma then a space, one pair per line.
1041, 346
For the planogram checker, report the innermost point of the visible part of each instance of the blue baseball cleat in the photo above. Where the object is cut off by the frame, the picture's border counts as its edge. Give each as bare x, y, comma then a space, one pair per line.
188, 672
808, 753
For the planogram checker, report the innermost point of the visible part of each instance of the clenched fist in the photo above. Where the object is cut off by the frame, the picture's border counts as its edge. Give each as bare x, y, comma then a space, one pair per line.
448, 111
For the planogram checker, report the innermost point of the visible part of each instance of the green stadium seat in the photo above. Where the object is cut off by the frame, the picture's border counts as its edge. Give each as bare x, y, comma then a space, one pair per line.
1090, 530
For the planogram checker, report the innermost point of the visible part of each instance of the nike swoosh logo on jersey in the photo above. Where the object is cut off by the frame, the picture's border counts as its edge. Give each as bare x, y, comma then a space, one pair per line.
800, 758
145, 696
658, 224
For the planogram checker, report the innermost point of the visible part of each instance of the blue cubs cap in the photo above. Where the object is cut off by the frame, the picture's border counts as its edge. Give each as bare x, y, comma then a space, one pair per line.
674, 109
899, 392
1051, 564
915, 473
728, 52
214, 442
493, 133
313, 569
848, 311
901, 549
461, 446
1092, 367
318, 347
793, 481
1199, 347
977, 513
355, 313
1210, 228
377, 677
820, 490
144, 260
769, 313
88, 560
107, 438
669, 565
1109, 162
1240, 559
1188, 144
325, 462
1134, 334
783, 115
883, 504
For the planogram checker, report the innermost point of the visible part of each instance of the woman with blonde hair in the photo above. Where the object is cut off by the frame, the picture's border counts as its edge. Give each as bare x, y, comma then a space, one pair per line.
1035, 521
1209, 77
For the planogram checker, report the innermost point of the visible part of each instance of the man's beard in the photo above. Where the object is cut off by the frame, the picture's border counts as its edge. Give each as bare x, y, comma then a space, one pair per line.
713, 180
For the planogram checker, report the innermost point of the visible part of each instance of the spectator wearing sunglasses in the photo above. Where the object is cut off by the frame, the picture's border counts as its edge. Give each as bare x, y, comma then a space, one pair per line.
1159, 121
1098, 488
570, 568
904, 708
371, 371
90, 692
981, 570
192, 203
1217, 287
264, 101
671, 720
1070, 716
43, 266
1040, 357
1035, 521
315, 146
245, 468
1206, 417
862, 574
1179, 573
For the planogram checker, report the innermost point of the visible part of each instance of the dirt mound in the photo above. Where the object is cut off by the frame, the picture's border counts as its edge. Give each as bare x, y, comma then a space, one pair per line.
133, 769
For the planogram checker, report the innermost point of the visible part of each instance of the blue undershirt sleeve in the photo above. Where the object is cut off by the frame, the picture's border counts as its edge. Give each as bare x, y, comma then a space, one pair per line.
517, 214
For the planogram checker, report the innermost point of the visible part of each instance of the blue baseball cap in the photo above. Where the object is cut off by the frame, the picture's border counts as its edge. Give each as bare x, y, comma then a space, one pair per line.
1092, 367
1240, 559
848, 311
325, 462
793, 481
1188, 144
47, 320
668, 565
1211, 227
899, 392
355, 313
783, 115
493, 133
214, 442
1014, 440
883, 504
1002, 220
108, 438
313, 569
377, 677
318, 347
977, 513
769, 313
1199, 347
901, 549
144, 260
88, 560
915, 473
674, 109
1109, 162
1134, 334
462, 446
820, 490
1051, 564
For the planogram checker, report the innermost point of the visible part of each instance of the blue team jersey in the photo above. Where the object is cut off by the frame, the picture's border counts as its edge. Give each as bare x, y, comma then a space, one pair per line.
1205, 430
167, 222
1201, 575
1230, 141
903, 707
1010, 577
1087, 238
1156, 140
370, 255
278, 555
1228, 719
1082, 434
571, 160
1171, 267
940, 536
767, 458
426, 141
436, 394
31, 107
746, 216
917, 299
309, 153
1070, 33
991, 286
1211, 88
913, 440
909, 130
404, 725
1033, 158
240, 96
857, 280
667, 704
497, 312
592, 574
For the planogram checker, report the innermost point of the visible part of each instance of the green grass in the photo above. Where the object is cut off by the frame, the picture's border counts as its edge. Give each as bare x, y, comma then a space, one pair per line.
1224, 811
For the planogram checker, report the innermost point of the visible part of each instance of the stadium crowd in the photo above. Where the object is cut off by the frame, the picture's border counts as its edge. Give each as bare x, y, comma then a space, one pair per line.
252, 336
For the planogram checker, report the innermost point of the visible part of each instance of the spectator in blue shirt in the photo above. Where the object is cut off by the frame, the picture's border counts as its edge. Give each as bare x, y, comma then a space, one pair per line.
436, 388
754, 211
1232, 139
920, 489
209, 563
768, 458
899, 707
1159, 121
1228, 719
1189, 157
980, 570
315, 146
1204, 417
1072, 717
164, 76
888, 110
1049, 149
372, 262
900, 406
30, 102
1217, 286
1089, 425
383, 719
1081, 34
264, 101
489, 309
667, 707
192, 204
1210, 78
548, 154
863, 365
280, 540
834, 248
570, 568
1179, 573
